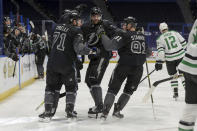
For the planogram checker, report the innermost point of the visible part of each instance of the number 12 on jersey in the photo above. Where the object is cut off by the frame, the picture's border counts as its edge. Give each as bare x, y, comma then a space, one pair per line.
170, 41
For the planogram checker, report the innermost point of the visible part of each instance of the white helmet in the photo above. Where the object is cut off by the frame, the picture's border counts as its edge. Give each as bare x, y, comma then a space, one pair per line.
163, 26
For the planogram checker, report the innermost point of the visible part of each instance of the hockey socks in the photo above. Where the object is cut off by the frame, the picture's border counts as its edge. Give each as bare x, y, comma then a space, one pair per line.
123, 100
70, 103
96, 93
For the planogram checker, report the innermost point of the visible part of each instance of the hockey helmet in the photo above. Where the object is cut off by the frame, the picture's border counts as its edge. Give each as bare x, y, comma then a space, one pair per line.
64, 19
74, 15
131, 20
96, 11
163, 26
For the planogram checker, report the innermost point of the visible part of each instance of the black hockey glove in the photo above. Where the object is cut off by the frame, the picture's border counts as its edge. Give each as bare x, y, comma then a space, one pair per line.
14, 57
79, 64
158, 65
95, 52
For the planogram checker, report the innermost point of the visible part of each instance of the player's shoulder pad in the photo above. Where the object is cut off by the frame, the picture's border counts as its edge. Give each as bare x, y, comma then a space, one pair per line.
173, 31
158, 37
108, 25
106, 21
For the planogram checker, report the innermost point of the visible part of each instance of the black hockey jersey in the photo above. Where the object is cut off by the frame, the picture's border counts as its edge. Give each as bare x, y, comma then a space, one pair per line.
89, 30
131, 47
133, 51
67, 43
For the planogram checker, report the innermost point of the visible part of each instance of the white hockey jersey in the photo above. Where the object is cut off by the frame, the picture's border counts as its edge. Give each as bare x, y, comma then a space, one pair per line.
170, 46
189, 62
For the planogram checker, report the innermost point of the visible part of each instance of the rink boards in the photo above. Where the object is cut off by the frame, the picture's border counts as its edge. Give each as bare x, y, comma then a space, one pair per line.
25, 72
16, 75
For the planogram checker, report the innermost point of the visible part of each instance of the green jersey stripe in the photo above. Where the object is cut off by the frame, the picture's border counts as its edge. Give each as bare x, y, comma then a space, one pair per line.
160, 51
175, 55
184, 45
189, 64
180, 129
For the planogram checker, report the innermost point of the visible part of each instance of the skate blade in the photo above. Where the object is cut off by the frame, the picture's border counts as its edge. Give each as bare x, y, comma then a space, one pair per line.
103, 119
45, 120
176, 99
94, 115
72, 119
117, 118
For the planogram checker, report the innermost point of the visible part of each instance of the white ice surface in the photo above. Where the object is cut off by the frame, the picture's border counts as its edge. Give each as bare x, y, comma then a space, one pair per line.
17, 113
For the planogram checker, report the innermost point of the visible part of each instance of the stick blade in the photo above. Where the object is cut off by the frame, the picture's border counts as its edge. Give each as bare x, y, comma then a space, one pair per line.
148, 94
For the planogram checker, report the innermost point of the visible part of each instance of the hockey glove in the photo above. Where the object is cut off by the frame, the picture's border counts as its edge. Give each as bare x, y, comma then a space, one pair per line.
14, 57
158, 65
79, 64
94, 53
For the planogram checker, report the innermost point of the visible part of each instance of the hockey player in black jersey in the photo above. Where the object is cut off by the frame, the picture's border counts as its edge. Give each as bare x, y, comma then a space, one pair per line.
98, 63
131, 47
61, 70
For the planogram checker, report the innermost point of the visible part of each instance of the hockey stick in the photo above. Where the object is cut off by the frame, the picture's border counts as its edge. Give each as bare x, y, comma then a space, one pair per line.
14, 69
15, 64
150, 88
47, 40
41, 104
147, 76
155, 84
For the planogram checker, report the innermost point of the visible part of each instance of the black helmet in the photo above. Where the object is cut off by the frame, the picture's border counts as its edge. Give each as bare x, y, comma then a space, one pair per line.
74, 15
80, 8
68, 16
131, 20
64, 19
66, 11
95, 11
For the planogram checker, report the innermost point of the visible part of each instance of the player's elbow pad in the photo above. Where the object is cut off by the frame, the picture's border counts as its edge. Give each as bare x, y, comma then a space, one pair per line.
161, 56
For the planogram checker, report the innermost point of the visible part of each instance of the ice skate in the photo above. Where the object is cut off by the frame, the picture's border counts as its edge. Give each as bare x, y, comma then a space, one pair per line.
176, 95
95, 111
45, 117
116, 112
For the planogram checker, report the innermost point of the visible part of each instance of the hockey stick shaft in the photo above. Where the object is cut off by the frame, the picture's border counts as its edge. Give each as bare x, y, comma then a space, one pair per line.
147, 76
155, 84
14, 69
39, 105
149, 80
166, 79
15, 64
150, 88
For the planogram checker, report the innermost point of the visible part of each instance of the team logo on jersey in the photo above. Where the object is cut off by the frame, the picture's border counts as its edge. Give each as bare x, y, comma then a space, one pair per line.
93, 39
